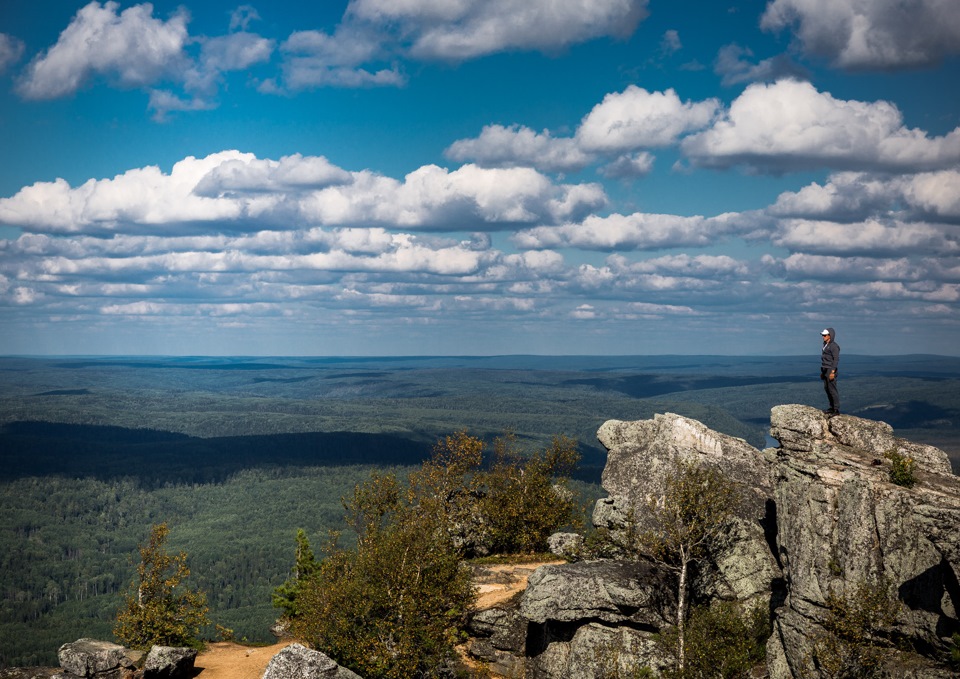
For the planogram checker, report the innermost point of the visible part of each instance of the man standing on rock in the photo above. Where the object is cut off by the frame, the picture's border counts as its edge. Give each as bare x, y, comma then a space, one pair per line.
829, 361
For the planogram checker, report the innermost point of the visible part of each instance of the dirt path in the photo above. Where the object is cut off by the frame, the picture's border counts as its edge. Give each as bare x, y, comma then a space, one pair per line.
227, 660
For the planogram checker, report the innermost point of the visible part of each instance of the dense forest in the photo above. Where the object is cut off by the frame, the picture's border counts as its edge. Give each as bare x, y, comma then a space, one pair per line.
237, 454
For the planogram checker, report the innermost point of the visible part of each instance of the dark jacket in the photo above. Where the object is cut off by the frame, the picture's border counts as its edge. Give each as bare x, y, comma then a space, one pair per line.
830, 356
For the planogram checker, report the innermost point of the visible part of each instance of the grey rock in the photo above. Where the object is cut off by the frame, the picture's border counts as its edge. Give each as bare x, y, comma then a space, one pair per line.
643, 454
299, 662
842, 523
566, 545
598, 651
92, 658
610, 591
169, 661
502, 626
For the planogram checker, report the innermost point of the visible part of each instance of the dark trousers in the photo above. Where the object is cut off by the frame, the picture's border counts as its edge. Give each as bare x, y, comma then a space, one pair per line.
830, 386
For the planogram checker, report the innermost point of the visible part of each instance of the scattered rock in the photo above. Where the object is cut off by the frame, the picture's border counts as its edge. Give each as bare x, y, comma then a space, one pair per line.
299, 662
169, 662
92, 658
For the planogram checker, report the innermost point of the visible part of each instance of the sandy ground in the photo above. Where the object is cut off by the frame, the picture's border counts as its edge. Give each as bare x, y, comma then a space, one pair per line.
227, 660
498, 583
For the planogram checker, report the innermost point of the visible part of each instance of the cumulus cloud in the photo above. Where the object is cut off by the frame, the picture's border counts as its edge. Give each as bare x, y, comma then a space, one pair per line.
870, 34
617, 130
873, 237
499, 146
11, 49
789, 125
638, 231
635, 119
236, 191
344, 58
375, 37
853, 196
130, 48
471, 28
133, 49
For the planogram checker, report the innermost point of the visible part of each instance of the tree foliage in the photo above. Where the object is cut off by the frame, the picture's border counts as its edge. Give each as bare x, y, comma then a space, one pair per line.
685, 527
527, 500
394, 604
723, 641
159, 609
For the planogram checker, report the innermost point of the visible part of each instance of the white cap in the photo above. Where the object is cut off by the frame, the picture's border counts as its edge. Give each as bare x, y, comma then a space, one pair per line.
824, 332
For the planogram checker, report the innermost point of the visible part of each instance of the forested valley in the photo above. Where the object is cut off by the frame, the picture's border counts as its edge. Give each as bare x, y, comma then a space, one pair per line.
237, 454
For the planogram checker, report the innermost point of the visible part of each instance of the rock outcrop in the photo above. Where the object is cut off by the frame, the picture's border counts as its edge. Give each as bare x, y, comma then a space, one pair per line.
299, 662
91, 658
842, 523
169, 662
819, 521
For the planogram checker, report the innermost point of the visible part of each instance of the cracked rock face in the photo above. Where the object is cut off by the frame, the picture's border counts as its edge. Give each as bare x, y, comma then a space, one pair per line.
641, 455
842, 522
820, 515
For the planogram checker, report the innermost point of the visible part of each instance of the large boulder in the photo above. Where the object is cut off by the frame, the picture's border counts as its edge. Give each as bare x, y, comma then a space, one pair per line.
842, 523
299, 662
597, 651
498, 638
643, 454
171, 662
615, 592
93, 658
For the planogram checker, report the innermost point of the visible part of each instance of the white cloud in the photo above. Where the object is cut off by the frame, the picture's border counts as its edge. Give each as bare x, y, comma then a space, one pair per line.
316, 59
466, 29
872, 237
499, 146
131, 48
629, 165
11, 49
851, 196
789, 125
870, 34
242, 17
638, 231
636, 119
231, 191
696, 266
619, 127
801, 266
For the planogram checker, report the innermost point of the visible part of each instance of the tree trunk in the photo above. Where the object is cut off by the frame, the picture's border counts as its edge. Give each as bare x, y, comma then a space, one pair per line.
681, 611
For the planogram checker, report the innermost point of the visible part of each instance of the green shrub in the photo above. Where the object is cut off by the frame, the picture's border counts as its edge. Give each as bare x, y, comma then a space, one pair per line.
902, 469
393, 606
723, 640
852, 644
158, 609
526, 500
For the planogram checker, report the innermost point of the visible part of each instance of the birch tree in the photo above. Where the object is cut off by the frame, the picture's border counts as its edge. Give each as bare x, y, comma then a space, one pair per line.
685, 525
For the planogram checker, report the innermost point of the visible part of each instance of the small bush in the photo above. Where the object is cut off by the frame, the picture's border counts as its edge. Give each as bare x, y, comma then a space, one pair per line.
526, 500
902, 469
722, 640
159, 609
852, 644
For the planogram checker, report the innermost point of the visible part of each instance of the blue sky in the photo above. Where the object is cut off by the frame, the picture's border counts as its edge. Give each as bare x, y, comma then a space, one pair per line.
416, 177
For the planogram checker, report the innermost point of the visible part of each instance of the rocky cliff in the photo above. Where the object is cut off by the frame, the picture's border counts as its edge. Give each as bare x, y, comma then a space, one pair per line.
821, 523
